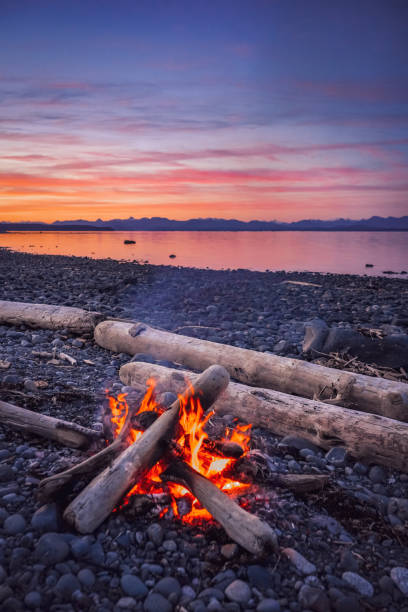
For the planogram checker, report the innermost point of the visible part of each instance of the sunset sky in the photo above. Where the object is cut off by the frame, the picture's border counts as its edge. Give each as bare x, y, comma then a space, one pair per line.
255, 109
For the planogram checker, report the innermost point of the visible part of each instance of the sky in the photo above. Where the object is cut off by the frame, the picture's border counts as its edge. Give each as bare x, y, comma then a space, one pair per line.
247, 109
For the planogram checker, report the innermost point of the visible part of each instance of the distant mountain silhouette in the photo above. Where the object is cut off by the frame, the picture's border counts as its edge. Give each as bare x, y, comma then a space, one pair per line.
210, 224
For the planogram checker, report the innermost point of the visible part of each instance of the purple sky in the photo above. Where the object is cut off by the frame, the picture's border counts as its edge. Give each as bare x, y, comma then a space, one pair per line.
279, 109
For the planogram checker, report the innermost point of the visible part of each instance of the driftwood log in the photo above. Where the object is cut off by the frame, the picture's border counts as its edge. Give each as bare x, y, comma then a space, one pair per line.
377, 395
246, 529
29, 422
49, 316
90, 508
367, 436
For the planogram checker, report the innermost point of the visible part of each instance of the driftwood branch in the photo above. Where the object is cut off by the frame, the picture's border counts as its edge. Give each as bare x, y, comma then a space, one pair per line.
365, 393
366, 436
246, 529
49, 316
49, 487
29, 422
90, 508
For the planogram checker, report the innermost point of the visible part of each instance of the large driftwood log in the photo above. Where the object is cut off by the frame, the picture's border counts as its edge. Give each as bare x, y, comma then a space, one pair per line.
366, 436
49, 487
246, 529
90, 508
49, 316
29, 422
377, 395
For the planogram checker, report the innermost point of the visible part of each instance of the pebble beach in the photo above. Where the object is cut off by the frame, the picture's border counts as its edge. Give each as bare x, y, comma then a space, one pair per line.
343, 549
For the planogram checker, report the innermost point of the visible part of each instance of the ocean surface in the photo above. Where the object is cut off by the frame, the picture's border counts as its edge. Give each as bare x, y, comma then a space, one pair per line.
338, 252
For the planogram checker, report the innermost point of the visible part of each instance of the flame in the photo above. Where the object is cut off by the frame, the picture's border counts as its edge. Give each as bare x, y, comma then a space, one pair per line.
194, 447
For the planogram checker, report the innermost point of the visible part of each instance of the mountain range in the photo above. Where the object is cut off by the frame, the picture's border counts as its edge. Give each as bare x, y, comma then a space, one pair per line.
163, 224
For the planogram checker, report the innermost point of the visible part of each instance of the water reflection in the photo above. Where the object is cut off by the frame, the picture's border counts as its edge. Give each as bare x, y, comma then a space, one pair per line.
341, 252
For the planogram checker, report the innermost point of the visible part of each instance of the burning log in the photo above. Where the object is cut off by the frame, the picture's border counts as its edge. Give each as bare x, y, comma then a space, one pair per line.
49, 316
49, 487
64, 432
377, 395
90, 508
366, 436
246, 529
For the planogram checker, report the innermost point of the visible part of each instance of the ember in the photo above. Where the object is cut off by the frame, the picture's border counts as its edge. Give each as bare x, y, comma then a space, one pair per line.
190, 444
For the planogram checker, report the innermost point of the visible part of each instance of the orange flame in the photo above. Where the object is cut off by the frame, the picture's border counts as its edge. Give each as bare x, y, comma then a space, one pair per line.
195, 449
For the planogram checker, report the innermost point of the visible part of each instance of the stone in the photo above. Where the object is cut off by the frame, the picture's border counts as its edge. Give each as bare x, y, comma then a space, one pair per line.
337, 456
170, 545
6, 473
168, 586
229, 551
348, 561
33, 599
313, 598
268, 605
15, 523
298, 443
377, 474
126, 603
51, 548
155, 533
315, 335
66, 586
400, 576
86, 577
302, 565
46, 518
348, 603
157, 603
259, 577
133, 586
358, 583
238, 591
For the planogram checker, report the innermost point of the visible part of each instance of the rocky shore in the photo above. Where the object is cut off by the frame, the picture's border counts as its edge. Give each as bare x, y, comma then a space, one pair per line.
345, 548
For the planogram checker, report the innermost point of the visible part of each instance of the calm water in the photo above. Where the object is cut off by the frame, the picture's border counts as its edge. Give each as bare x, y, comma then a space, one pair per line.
340, 252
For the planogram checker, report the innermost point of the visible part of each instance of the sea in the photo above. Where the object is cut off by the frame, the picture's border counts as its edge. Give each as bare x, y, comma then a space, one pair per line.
371, 253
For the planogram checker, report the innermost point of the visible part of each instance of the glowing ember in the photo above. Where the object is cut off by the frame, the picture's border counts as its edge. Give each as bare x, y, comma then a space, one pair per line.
192, 445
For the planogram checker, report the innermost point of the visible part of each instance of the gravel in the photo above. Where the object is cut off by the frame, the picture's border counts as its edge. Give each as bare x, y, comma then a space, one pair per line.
342, 548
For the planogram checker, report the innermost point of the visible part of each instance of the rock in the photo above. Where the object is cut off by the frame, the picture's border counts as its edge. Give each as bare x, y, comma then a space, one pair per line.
66, 585
133, 586
268, 605
359, 584
348, 603
168, 586
80, 547
127, 603
377, 474
315, 335
51, 549
229, 551
283, 347
6, 473
400, 576
46, 518
170, 545
297, 443
313, 598
302, 565
33, 599
238, 591
86, 577
348, 561
155, 533
337, 456
157, 603
15, 523
259, 577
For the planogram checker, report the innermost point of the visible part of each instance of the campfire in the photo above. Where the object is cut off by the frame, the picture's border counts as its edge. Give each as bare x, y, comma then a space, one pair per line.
161, 452
215, 460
